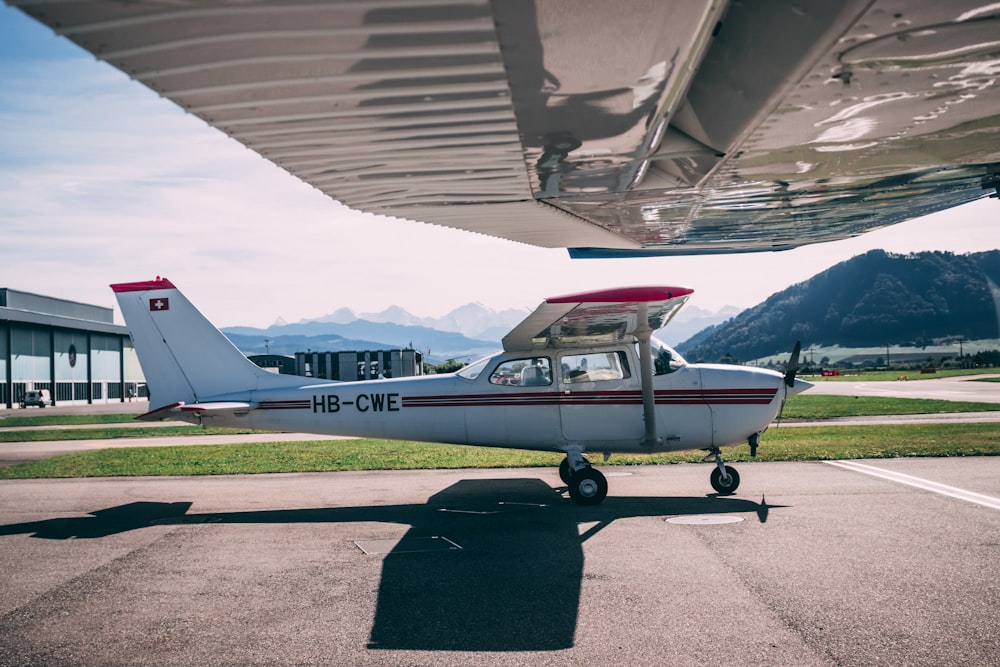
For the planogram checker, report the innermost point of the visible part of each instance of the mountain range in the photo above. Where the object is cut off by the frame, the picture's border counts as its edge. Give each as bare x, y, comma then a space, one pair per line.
467, 332
870, 300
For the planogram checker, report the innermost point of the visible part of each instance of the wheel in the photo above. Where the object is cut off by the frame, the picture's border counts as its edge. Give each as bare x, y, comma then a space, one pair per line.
588, 487
565, 472
728, 486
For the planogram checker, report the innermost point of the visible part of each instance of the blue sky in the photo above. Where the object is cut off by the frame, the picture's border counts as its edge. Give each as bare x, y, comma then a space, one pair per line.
102, 181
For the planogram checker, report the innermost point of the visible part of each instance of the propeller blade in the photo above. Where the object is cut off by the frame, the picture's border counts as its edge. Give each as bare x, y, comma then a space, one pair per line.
793, 365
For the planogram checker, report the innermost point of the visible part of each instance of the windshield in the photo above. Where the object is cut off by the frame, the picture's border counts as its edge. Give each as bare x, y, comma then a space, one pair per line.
472, 371
665, 358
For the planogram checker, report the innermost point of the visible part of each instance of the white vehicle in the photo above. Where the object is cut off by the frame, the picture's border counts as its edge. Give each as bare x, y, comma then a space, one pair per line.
36, 397
581, 375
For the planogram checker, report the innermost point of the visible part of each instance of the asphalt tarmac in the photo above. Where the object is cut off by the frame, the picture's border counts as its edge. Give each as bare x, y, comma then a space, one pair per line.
810, 564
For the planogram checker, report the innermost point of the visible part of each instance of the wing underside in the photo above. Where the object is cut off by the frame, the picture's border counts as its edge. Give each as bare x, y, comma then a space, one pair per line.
596, 318
609, 128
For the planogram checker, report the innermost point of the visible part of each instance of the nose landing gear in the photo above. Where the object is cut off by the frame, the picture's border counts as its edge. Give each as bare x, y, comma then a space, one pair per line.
724, 479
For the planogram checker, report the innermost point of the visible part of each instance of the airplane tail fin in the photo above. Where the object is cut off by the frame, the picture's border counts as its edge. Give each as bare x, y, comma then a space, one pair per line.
184, 357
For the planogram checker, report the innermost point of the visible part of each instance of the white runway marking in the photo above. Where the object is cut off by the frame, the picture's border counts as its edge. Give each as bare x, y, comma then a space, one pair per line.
926, 485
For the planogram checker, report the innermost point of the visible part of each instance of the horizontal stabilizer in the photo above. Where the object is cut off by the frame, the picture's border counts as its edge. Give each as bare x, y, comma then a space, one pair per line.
177, 410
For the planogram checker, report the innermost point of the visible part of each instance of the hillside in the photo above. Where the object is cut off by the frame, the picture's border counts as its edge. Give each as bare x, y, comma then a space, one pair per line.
871, 300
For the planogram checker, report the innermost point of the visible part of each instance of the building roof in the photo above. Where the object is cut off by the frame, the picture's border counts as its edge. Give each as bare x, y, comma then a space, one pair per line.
28, 308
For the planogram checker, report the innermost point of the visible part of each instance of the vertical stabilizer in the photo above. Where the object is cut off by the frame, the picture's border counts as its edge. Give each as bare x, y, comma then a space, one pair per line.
183, 356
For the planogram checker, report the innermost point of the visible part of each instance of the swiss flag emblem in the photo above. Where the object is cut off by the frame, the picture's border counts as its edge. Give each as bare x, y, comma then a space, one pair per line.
159, 303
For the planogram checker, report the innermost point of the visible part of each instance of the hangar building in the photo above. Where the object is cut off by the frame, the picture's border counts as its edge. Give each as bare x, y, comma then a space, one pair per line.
345, 366
79, 355
73, 350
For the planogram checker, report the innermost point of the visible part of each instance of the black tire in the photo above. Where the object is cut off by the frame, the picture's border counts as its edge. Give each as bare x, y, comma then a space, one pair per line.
725, 487
588, 487
565, 472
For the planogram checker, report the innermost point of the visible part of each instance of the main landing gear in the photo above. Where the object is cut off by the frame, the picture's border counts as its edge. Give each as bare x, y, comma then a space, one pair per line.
724, 479
587, 486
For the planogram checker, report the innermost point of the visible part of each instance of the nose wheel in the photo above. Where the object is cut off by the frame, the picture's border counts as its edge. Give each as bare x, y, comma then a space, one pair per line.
725, 483
724, 479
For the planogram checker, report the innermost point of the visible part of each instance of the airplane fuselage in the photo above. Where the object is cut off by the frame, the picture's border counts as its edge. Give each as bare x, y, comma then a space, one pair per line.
697, 405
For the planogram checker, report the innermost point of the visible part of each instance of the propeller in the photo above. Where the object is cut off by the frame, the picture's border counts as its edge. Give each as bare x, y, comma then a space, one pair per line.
792, 367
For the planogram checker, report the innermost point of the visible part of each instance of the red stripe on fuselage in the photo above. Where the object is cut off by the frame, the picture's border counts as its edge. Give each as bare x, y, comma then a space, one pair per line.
761, 396
663, 397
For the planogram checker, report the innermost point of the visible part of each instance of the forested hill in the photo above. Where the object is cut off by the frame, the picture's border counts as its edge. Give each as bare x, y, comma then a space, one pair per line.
871, 300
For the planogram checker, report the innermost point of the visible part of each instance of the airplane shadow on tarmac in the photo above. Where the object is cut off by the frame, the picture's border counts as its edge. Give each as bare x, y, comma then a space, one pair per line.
507, 578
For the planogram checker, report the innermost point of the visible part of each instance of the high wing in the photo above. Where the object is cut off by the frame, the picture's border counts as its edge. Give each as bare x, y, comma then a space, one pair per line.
603, 317
594, 318
610, 128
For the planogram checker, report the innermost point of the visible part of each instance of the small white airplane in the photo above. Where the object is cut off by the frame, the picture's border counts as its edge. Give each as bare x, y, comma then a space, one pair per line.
581, 374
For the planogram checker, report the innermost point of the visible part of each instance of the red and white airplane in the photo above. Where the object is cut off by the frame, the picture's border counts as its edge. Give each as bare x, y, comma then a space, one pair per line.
582, 374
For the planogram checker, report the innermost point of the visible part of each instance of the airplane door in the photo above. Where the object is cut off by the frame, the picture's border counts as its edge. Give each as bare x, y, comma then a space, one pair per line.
600, 397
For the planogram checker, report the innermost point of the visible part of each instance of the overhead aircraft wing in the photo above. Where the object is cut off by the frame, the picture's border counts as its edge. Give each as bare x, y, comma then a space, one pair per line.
593, 318
610, 128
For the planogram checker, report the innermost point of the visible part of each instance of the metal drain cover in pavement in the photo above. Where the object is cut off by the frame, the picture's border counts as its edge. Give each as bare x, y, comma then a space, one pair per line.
704, 519
406, 545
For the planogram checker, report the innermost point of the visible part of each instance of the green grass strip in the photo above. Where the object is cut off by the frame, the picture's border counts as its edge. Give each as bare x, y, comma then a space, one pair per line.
114, 433
798, 444
37, 418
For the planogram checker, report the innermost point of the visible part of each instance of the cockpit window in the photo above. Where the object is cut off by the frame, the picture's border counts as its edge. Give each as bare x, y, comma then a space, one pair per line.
665, 358
533, 372
594, 367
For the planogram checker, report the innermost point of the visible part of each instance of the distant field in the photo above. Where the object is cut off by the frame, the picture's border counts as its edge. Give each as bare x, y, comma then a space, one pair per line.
894, 376
836, 354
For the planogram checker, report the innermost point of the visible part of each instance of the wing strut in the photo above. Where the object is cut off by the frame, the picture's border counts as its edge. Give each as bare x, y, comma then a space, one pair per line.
643, 334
